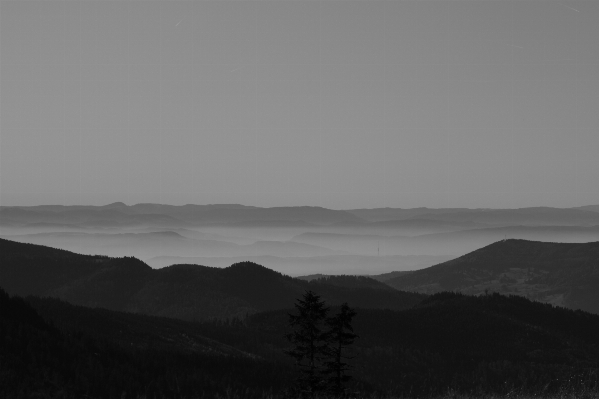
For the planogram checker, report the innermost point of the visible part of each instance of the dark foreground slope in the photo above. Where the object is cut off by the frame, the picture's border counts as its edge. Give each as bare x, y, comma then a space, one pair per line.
105, 355
483, 345
189, 292
487, 344
564, 274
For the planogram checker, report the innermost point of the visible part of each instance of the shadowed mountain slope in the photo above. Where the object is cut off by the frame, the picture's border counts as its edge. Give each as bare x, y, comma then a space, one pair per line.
487, 344
28, 269
565, 274
470, 344
57, 350
128, 329
189, 292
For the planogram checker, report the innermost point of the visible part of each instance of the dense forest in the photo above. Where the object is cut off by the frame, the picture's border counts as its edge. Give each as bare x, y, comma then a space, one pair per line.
188, 292
98, 327
564, 274
448, 342
40, 359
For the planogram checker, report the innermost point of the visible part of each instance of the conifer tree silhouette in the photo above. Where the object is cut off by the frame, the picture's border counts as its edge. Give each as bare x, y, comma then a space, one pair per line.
310, 345
340, 335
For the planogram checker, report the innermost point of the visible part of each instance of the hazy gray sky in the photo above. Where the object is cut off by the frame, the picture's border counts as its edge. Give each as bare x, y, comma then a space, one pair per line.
342, 104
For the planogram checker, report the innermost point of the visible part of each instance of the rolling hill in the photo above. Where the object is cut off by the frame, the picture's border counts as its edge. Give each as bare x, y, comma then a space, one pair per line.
372, 237
189, 292
330, 264
424, 345
565, 274
54, 349
451, 341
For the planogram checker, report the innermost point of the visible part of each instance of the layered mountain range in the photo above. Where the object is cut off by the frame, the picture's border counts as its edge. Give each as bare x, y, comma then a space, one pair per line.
564, 274
187, 329
189, 292
292, 240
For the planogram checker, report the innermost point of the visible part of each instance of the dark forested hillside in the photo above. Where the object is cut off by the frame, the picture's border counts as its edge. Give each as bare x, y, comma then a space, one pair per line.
487, 344
36, 269
565, 274
88, 358
408, 344
484, 344
189, 292
128, 329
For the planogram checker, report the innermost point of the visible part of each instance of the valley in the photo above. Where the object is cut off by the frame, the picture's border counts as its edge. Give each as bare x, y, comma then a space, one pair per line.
446, 301
291, 240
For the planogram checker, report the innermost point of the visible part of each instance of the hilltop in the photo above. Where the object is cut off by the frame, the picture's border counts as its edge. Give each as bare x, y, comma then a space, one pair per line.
409, 344
491, 343
565, 274
53, 349
295, 240
189, 292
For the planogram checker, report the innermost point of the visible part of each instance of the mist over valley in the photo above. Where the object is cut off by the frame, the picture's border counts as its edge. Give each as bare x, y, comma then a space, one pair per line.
292, 240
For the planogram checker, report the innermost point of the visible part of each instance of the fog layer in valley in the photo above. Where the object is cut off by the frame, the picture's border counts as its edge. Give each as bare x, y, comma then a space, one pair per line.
291, 240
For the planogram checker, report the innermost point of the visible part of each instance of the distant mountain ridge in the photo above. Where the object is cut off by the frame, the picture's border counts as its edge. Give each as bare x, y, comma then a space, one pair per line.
450, 242
564, 274
385, 214
236, 213
371, 241
86, 216
188, 292
165, 243
175, 215
534, 216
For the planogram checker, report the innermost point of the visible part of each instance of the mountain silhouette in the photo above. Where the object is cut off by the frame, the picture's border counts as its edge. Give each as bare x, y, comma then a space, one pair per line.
165, 243
189, 292
565, 274
122, 215
534, 216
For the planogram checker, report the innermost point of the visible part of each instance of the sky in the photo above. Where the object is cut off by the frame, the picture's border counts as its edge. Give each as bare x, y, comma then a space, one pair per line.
334, 103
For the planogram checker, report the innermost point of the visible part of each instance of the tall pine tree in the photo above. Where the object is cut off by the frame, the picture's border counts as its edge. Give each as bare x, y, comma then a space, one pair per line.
309, 339
340, 336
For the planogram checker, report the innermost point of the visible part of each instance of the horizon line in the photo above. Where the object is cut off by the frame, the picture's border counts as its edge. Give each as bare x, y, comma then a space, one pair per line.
120, 203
